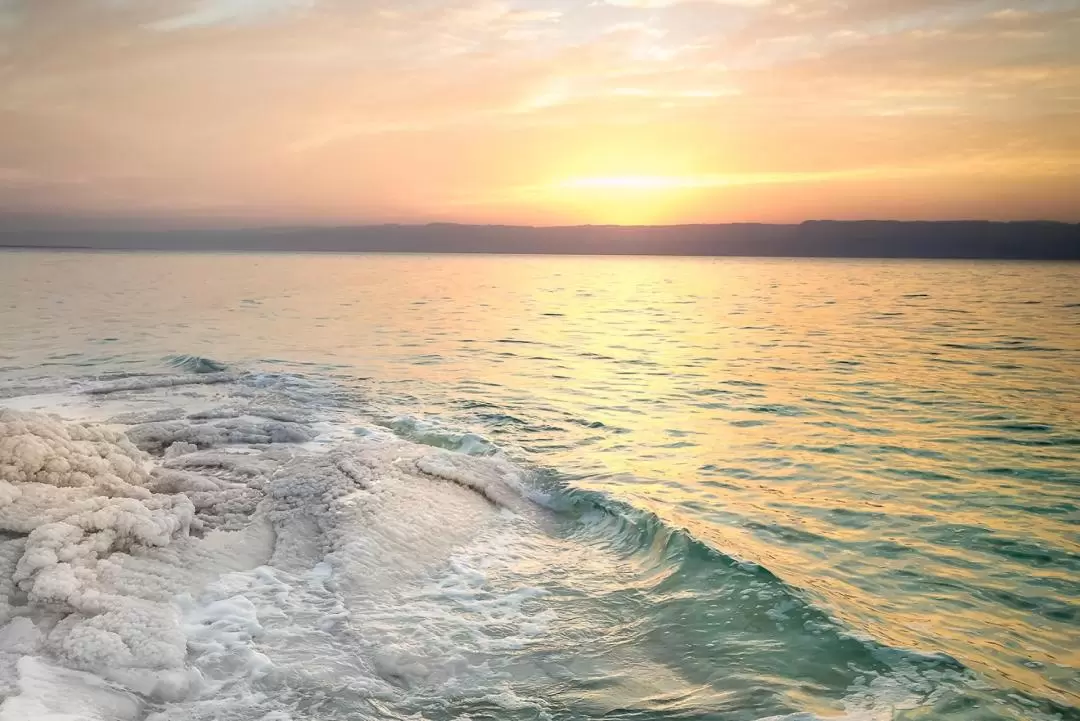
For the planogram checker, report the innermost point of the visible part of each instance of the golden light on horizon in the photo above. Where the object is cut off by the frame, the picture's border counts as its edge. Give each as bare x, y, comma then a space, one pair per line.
620, 199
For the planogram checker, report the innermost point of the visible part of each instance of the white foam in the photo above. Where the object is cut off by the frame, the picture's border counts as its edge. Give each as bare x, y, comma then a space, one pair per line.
142, 383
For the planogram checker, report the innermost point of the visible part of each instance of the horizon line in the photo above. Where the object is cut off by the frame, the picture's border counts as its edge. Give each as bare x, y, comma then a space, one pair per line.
136, 224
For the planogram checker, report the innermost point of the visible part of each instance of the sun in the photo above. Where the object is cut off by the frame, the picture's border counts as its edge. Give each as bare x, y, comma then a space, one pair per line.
633, 199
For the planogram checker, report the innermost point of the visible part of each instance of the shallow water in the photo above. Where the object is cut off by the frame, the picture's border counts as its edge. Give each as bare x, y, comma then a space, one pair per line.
754, 487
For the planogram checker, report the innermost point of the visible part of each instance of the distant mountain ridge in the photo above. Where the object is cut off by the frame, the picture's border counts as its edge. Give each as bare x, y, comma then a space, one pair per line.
1020, 240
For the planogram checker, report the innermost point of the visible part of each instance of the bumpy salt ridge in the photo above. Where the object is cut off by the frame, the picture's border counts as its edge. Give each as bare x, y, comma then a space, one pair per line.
77, 497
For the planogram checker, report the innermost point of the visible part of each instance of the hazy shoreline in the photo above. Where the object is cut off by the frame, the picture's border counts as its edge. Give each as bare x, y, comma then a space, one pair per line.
1020, 240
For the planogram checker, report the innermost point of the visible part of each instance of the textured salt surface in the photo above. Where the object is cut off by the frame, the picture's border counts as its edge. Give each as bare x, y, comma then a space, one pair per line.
145, 559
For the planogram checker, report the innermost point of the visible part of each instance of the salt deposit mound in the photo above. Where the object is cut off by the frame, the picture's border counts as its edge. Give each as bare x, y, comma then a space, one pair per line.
73, 505
150, 566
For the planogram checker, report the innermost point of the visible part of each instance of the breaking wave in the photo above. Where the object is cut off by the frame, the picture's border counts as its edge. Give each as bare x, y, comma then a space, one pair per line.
196, 364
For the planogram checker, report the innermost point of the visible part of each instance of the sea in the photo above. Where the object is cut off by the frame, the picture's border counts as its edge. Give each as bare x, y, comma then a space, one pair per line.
286, 487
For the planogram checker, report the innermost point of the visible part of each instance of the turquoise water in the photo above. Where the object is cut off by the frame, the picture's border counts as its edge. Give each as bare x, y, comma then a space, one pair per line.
768, 487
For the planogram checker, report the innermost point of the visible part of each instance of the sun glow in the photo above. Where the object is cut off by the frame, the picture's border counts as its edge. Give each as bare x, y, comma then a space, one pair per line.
623, 199
634, 182
680, 193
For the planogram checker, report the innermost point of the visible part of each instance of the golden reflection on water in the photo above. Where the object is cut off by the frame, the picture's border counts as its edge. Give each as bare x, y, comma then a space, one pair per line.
897, 439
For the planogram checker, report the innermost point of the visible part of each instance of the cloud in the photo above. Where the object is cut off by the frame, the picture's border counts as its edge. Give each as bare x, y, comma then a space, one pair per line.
227, 12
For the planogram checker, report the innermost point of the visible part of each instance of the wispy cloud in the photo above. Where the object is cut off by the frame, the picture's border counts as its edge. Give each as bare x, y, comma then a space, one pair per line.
226, 12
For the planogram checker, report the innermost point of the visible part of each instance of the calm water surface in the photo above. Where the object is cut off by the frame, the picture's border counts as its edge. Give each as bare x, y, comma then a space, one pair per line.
897, 443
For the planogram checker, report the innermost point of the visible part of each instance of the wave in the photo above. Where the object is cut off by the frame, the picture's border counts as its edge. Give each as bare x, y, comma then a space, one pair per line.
432, 434
196, 364
692, 584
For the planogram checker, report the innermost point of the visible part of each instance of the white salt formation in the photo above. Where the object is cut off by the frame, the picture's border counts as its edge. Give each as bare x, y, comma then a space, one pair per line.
190, 582
77, 495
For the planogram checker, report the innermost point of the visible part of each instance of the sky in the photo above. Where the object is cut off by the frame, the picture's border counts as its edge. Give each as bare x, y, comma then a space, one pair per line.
540, 112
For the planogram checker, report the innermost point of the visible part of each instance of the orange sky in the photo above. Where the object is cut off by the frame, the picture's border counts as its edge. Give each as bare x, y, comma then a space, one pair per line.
540, 111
